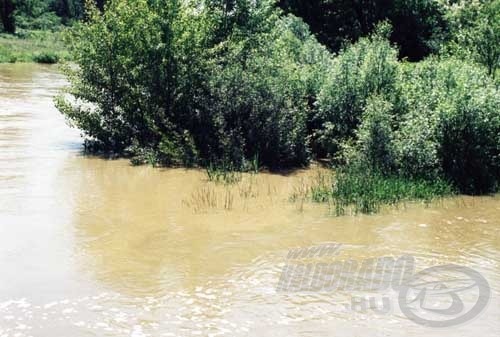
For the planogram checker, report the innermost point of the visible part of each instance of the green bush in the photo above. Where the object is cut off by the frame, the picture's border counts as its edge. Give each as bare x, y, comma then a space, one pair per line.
260, 91
442, 122
444, 125
475, 33
469, 137
46, 57
416, 143
367, 68
124, 91
452, 125
45, 21
375, 137
416, 146
238, 85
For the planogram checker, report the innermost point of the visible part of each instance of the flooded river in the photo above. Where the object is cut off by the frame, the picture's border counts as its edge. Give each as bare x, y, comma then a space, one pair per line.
94, 247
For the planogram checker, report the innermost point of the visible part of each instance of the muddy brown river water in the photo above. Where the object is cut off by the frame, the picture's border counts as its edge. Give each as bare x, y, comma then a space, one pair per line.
94, 247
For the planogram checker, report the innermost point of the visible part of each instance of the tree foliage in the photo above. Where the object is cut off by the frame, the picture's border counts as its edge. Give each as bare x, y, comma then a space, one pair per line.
476, 32
232, 83
367, 68
42, 14
447, 126
229, 85
7, 8
419, 25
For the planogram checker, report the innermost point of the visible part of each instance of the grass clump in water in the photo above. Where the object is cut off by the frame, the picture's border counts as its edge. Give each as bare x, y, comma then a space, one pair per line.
364, 191
225, 174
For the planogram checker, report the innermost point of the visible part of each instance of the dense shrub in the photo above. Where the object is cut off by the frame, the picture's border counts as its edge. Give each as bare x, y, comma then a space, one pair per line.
237, 84
36, 14
437, 119
227, 86
470, 147
475, 32
416, 146
367, 68
375, 137
260, 93
48, 14
447, 127
46, 21
112, 84
452, 125
46, 57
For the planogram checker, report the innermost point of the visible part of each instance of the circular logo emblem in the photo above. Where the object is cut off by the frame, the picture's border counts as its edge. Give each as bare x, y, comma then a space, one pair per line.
444, 296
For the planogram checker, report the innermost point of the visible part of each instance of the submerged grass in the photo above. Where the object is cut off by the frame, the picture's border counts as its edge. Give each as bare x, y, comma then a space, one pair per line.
32, 46
250, 191
365, 192
209, 197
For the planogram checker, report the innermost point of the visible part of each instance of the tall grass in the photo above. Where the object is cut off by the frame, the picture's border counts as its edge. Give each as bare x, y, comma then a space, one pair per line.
209, 197
252, 191
363, 191
225, 174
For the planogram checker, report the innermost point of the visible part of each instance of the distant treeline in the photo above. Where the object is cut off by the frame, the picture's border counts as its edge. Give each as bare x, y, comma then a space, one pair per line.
41, 14
419, 26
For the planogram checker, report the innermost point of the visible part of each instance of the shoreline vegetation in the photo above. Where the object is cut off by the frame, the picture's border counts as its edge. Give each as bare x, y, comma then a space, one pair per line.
237, 86
33, 46
33, 30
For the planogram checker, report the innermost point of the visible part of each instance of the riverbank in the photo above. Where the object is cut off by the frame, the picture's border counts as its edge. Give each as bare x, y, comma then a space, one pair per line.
32, 46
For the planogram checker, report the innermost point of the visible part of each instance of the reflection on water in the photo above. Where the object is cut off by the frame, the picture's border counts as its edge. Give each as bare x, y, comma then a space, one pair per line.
97, 247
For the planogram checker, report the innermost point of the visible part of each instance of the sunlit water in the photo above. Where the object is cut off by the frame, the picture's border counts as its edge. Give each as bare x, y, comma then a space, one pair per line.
93, 247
